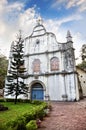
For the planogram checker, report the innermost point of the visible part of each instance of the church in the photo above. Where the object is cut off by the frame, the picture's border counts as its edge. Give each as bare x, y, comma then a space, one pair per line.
50, 67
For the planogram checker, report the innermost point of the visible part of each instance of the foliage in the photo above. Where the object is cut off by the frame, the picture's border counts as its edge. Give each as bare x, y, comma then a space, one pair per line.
2, 100
3, 127
16, 75
29, 115
3, 108
37, 112
82, 65
18, 124
83, 52
31, 125
18, 100
37, 102
14, 111
19, 115
3, 70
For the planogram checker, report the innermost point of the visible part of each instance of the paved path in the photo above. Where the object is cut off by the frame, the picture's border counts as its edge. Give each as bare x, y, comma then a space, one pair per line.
66, 116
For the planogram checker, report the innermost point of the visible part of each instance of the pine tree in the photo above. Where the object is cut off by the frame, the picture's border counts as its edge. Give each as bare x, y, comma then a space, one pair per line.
16, 74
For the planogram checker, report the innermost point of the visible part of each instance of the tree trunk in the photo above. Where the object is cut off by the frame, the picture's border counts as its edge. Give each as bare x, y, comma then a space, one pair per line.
16, 88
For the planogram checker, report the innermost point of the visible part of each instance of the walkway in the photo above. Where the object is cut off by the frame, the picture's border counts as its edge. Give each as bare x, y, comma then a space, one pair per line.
66, 116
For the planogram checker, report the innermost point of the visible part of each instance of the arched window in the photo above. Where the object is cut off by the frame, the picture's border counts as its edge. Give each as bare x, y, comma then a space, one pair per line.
54, 64
36, 65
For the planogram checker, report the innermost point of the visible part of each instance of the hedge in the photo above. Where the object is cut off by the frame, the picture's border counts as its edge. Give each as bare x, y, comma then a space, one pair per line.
20, 122
31, 125
13, 100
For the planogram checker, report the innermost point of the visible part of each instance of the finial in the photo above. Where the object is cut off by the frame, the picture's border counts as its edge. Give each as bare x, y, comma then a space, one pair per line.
39, 20
69, 37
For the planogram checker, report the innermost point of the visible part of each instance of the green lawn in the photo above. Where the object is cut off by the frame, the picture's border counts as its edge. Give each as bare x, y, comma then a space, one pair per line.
14, 110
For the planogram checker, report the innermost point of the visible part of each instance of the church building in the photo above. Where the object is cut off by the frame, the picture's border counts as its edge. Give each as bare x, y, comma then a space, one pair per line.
50, 65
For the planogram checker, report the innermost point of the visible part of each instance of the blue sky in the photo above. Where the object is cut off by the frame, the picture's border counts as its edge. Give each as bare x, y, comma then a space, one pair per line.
58, 17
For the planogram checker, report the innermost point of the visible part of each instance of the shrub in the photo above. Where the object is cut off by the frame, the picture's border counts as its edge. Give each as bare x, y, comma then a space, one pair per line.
40, 112
2, 108
37, 112
1, 99
18, 124
18, 100
29, 116
37, 102
31, 125
9, 100
44, 105
2, 127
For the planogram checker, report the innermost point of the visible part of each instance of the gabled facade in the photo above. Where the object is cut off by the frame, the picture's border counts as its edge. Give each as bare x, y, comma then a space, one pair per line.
50, 67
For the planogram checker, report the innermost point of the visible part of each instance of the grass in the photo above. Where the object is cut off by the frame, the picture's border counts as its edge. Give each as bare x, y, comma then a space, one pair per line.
14, 110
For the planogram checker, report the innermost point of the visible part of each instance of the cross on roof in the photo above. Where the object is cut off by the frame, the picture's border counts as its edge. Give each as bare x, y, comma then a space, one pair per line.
39, 21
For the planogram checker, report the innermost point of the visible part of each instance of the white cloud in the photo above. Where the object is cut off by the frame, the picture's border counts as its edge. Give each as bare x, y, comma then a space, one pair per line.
82, 7
14, 18
26, 20
71, 3
6, 8
18, 6
54, 24
2, 4
70, 18
78, 42
79, 4
7, 29
11, 6
57, 3
10, 10
2, 28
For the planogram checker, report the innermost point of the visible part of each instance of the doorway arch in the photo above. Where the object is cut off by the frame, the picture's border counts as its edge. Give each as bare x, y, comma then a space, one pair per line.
37, 92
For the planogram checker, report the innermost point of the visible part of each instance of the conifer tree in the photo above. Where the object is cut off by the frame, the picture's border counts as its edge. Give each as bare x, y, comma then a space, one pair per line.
16, 75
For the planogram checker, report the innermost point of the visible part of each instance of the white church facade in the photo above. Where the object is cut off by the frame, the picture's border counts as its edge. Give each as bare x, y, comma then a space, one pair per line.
50, 66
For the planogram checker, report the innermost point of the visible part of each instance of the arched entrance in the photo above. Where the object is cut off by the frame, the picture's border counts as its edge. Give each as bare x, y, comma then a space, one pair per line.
37, 92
